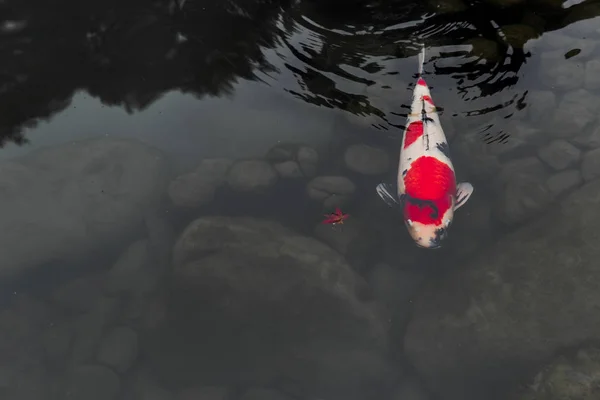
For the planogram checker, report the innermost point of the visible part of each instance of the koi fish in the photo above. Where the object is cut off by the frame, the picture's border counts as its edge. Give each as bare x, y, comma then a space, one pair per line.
426, 192
335, 218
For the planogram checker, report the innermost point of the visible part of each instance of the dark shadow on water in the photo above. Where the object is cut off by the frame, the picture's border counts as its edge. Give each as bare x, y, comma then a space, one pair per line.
130, 54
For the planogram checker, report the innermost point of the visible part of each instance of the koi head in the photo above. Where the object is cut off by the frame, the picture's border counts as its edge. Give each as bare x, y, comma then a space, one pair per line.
428, 222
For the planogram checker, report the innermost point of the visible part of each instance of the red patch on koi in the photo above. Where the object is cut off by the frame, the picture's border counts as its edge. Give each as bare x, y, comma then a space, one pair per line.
421, 82
425, 213
431, 180
335, 218
428, 99
413, 132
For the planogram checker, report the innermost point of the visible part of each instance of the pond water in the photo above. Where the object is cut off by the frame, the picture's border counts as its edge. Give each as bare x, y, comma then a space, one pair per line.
166, 166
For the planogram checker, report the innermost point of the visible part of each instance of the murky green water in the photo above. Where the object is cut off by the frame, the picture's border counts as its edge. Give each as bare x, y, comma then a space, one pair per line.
166, 168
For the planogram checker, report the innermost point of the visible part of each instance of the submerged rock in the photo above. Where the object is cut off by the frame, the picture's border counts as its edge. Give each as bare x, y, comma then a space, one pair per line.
292, 160
251, 301
204, 393
353, 239
559, 154
92, 382
331, 190
592, 75
197, 188
575, 112
530, 294
521, 191
540, 103
564, 181
264, 394
119, 349
590, 166
366, 160
575, 377
62, 203
557, 73
251, 176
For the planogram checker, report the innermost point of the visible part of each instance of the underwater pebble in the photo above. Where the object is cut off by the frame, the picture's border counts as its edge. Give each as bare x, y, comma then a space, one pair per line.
590, 166
589, 139
366, 160
119, 349
251, 175
559, 154
288, 169
308, 159
563, 181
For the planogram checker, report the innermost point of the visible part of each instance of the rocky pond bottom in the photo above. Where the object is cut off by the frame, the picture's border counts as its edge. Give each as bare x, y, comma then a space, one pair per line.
129, 280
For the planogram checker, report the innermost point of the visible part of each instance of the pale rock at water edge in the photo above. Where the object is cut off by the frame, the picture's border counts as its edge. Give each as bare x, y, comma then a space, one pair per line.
559, 154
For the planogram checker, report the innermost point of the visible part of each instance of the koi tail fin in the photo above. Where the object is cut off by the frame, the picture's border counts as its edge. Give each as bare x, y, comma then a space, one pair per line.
421, 59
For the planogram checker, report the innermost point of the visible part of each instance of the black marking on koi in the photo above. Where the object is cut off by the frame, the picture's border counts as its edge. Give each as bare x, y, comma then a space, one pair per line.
444, 148
404, 172
424, 120
422, 203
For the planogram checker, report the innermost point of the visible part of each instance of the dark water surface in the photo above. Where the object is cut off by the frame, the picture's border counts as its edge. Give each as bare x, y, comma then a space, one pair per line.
166, 166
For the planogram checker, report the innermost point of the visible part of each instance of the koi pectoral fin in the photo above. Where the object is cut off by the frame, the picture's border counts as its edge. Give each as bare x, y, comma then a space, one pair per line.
384, 190
464, 190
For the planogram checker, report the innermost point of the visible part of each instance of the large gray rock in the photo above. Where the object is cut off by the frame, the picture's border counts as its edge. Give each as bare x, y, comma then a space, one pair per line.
482, 327
251, 301
568, 377
64, 202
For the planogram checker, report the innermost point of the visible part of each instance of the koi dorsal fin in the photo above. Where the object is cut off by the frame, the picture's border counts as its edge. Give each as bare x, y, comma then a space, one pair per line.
421, 59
